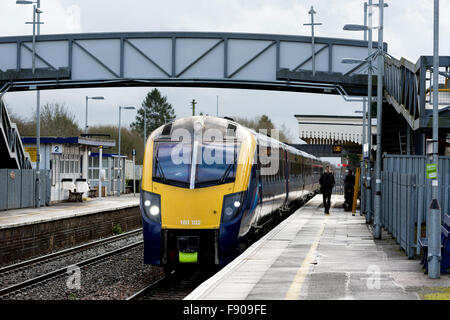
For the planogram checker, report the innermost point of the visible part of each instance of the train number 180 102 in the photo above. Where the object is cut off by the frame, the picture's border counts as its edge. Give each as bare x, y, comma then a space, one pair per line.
191, 222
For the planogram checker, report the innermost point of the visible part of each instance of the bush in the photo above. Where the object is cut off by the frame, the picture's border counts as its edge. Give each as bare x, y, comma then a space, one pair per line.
117, 229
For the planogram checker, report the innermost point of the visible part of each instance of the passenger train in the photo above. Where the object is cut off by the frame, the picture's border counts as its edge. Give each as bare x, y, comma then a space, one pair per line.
210, 185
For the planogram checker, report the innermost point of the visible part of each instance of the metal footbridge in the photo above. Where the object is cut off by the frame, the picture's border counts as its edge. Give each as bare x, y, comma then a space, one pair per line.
188, 59
209, 59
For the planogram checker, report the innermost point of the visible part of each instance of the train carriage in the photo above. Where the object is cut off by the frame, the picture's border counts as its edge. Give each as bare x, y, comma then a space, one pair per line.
209, 185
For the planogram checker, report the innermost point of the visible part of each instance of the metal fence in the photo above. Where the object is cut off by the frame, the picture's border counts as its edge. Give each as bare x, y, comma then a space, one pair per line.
413, 164
406, 195
18, 188
399, 213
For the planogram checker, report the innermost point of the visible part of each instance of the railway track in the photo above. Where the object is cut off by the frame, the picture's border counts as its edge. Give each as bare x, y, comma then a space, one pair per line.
175, 286
62, 253
62, 270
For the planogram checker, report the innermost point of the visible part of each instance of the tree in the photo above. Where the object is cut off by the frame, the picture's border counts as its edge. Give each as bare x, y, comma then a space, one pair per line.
26, 127
158, 112
264, 123
56, 120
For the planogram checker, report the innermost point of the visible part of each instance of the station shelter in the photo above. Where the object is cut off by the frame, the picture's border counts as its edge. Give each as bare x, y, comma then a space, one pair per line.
74, 163
110, 166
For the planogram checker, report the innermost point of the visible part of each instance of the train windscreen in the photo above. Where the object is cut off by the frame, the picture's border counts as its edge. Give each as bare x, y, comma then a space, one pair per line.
172, 162
216, 163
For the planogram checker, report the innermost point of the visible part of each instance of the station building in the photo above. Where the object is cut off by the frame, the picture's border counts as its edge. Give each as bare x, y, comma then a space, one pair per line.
74, 162
331, 129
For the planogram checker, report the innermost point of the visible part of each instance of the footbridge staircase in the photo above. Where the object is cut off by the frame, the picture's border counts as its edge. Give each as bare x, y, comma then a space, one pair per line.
408, 88
12, 153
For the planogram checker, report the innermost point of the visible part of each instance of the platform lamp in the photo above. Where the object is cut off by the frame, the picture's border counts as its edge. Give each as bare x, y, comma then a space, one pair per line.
367, 28
36, 22
380, 56
36, 31
92, 98
365, 145
120, 171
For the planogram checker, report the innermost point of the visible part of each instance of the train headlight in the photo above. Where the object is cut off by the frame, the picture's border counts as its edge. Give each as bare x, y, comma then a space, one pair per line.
231, 206
154, 210
151, 205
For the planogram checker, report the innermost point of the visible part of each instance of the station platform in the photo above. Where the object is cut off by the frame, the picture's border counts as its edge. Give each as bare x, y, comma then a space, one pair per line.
311, 255
64, 210
29, 232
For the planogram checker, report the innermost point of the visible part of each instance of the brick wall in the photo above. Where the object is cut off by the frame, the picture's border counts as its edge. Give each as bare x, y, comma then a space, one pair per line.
29, 241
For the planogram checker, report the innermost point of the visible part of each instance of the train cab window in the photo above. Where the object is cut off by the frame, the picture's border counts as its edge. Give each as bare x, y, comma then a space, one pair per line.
171, 163
218, 163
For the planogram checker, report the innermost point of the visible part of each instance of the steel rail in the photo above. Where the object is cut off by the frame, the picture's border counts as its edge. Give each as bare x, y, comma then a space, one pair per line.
144, 291
66, 251
61, 271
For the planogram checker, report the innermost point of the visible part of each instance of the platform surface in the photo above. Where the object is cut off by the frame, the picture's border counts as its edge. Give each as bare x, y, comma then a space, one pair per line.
20, 217
311, 255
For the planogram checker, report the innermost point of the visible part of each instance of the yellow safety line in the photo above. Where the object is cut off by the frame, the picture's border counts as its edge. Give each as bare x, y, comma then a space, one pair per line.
296, 285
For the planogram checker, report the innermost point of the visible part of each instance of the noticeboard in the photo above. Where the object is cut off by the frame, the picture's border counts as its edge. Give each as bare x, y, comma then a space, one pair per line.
32, 152
431, 170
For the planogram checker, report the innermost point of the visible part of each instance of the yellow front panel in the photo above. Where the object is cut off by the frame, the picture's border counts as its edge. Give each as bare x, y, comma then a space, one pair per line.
183, 208
245, 162
147, 168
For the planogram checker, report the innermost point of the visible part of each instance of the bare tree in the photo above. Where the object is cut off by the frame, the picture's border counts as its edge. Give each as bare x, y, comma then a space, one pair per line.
56, 120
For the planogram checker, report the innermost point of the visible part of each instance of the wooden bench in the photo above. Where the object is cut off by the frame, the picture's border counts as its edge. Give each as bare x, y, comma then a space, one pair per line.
75, 196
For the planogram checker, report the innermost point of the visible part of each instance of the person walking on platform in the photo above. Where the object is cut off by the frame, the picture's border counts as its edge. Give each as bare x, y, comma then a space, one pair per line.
326, 187
349, 185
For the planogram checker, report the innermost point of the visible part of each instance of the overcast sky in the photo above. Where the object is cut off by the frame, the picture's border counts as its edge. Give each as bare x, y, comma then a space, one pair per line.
408, 32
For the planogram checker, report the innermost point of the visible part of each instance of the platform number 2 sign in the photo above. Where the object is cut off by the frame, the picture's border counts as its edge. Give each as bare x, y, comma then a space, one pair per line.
57, 149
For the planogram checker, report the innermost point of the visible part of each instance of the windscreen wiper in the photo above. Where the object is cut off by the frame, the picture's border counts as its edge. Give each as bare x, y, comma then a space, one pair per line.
227, 172
229, 168
158, 167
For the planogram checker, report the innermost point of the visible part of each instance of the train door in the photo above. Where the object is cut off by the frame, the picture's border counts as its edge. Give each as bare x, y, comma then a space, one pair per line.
267, 180
280, 196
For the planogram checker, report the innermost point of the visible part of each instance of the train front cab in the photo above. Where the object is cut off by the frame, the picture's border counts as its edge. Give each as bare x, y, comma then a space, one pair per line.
192, 225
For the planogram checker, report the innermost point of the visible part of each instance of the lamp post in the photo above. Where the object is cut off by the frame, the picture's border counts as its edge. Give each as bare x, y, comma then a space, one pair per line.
145, 127
217, 106
377, 213
87, 98
434, 252
119, 180
365, 192
36, 16
368, 28
100, 169
134, 172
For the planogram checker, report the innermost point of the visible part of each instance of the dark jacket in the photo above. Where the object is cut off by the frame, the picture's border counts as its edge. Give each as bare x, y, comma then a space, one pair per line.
326, 183
349, 179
